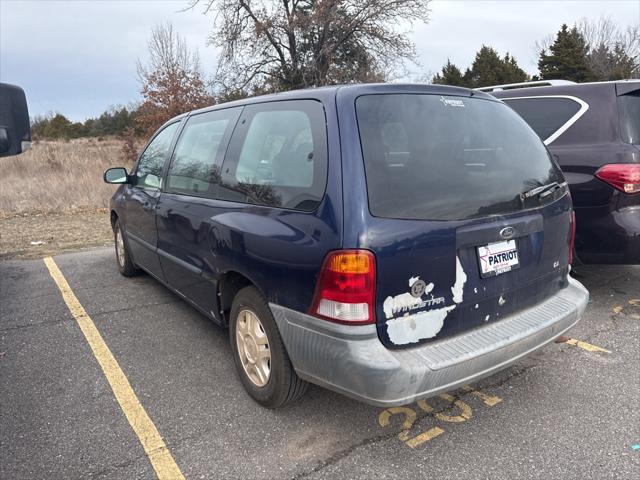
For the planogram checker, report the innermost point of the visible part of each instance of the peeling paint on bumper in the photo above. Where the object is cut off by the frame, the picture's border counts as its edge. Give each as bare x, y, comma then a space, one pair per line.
352, 360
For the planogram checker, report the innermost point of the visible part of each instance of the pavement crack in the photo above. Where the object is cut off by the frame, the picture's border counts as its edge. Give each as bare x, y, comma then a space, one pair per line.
421, 414
108, 471
336, 457
36, 324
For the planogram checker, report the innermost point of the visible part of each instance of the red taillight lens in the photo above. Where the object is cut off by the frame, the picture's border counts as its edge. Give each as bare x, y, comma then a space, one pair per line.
572, 235
623, 176
345, 292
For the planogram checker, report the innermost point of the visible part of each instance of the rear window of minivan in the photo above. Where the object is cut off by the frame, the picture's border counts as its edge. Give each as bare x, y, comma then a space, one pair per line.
433, 157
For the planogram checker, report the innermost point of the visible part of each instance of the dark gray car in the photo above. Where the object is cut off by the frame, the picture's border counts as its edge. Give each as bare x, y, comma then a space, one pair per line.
593, 131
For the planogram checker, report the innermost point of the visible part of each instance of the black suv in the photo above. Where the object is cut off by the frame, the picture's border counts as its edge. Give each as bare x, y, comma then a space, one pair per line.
593, 131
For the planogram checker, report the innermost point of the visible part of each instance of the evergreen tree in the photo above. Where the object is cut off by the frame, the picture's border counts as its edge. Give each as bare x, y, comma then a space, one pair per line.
487, 69
511, 72
54, 126
451, 75
624, 66
567, 58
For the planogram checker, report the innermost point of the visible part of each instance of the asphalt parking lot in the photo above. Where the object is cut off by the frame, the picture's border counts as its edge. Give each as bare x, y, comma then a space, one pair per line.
570, 411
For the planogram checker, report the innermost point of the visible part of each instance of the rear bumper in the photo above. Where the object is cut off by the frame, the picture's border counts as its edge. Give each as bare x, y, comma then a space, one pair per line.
351, 360
608, 236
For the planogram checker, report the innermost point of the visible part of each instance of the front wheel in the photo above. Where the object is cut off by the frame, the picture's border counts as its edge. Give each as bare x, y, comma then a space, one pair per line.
125, 264
259, 354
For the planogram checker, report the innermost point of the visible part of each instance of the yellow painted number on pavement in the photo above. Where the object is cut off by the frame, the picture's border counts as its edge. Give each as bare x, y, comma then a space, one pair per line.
465, 410
489, 400
409, 415
409, 419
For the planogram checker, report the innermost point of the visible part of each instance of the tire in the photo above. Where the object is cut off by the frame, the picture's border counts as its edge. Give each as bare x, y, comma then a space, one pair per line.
280, 385
126, 267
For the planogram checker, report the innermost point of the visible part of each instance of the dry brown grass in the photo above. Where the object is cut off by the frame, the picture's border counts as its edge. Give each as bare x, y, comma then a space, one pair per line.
59, 177
42, 234
52, 198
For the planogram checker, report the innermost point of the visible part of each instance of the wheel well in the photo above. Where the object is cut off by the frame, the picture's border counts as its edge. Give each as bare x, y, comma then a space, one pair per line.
230, 284
114, 217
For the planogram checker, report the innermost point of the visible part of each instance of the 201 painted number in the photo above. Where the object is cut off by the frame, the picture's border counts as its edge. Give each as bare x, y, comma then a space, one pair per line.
410, 416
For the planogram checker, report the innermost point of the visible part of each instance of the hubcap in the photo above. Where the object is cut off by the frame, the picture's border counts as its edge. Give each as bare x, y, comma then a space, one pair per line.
120, 247
253, 348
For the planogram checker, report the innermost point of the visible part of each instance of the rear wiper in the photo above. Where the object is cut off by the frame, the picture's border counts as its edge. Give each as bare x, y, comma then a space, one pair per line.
543, 190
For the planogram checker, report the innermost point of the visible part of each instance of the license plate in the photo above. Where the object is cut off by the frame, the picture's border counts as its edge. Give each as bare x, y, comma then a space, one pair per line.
497, 258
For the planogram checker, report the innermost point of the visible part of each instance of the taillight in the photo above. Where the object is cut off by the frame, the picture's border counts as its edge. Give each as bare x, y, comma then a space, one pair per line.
345, 292
623, 176
572, 235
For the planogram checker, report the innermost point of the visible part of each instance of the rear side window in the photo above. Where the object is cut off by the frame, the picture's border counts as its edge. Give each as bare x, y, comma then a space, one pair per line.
449, 158
629, 108
545, 115
278, 156
195, 168
151, 163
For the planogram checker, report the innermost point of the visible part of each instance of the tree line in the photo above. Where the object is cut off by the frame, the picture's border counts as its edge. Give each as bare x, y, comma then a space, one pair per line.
590, 51
270, 46
114, 121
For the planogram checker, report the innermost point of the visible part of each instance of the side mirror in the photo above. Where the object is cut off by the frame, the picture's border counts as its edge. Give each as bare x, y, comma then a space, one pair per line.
116, 175
15, 129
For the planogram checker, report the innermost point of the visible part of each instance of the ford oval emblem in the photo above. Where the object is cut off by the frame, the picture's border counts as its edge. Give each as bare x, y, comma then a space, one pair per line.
507, 232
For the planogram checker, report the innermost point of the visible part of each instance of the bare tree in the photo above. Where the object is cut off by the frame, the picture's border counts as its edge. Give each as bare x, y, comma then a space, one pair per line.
605, 31
287, 44
614, 52
171, 81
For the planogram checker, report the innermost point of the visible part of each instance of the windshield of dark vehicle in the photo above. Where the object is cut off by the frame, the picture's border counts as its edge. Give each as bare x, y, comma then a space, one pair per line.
629, 108
449, 158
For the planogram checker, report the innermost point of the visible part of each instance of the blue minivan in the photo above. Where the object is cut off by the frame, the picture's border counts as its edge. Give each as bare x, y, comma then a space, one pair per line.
388, 242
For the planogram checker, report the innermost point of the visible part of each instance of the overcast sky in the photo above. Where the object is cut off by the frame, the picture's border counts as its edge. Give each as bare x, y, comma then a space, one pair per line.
79, 57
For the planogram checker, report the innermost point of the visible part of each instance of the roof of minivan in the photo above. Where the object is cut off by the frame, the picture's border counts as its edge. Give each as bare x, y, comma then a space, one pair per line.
330, 92
628, 85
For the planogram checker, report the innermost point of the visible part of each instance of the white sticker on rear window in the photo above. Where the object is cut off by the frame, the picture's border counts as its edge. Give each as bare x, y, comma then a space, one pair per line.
452, 102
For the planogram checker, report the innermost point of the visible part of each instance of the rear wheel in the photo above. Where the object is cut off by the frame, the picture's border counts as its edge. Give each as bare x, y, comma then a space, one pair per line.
259, 354
123, 258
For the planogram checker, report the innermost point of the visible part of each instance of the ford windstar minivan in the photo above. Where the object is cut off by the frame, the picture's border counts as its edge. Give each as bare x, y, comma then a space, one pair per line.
388, 242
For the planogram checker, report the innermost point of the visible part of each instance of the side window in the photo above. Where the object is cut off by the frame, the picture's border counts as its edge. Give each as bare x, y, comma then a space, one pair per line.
149, 170
544, 115
278, 156
194, 168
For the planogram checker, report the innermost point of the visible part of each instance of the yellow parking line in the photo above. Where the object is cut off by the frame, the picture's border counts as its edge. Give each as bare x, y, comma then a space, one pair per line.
586, 346
155, 448
424, 437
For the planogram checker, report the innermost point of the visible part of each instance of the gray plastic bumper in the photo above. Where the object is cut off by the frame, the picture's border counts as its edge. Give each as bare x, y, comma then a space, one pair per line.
352, 360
